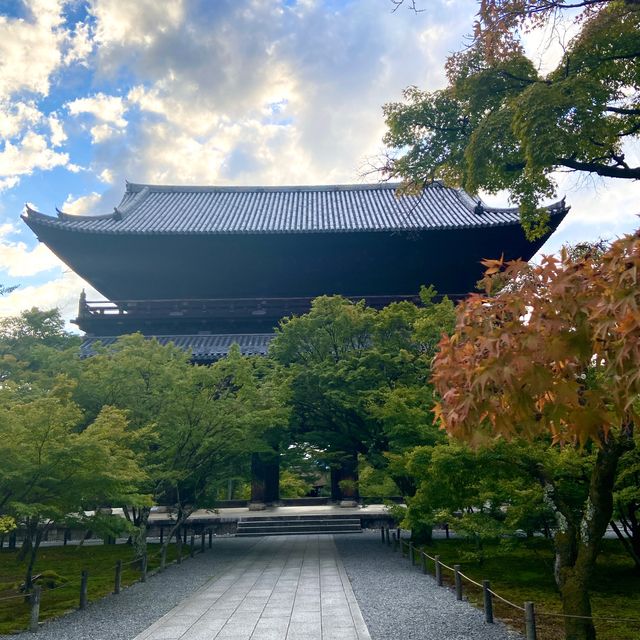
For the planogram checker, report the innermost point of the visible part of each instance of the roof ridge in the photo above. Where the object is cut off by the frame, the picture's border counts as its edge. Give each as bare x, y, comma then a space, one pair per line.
132, 187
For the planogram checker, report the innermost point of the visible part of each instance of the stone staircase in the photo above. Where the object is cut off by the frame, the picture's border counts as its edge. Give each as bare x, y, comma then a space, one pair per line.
297, 525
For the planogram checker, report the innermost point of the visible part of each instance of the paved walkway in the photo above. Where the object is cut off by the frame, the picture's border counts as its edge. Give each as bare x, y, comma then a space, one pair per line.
284, 588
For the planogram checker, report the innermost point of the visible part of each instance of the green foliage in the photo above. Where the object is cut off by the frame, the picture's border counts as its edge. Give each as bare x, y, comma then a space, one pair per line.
292, 485
500, 124
358, 378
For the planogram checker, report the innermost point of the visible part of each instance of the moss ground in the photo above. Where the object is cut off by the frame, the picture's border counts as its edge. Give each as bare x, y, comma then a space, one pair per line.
68, 563
523, 571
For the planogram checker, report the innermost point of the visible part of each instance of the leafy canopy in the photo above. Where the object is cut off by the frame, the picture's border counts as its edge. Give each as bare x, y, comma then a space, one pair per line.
500, 124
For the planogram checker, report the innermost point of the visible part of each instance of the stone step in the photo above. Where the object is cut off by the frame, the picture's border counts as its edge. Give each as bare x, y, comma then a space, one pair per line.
254, 534
325, 516
301, 523
289, 526
304, 527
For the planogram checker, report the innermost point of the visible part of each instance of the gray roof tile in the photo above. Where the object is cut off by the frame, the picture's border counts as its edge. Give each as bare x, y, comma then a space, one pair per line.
151, 209
201, 347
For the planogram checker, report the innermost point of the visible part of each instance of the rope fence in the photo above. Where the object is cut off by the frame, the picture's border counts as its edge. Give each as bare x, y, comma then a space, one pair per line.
34, 597
530, 614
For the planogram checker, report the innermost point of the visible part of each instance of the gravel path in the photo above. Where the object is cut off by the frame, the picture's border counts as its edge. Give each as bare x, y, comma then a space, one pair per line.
396, 600
122, 617
400, 602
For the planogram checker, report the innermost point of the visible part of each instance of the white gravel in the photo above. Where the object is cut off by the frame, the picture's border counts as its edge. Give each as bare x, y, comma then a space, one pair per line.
398, 601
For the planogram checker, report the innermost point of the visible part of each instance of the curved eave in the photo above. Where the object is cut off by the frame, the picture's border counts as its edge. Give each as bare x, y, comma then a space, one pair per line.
65, 222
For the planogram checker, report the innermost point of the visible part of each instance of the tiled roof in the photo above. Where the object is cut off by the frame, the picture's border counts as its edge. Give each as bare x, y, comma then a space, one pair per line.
202, 347
150, 209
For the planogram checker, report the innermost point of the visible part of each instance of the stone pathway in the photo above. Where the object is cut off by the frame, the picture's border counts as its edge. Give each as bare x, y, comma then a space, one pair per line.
284, 588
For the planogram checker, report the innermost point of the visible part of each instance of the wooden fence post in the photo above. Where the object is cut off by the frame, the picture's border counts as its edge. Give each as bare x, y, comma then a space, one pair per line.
118, 578
192, 549
488, 601
411, 554
179, 544
34, 601
161, 534
438, 572
84, 583
530, 621
163, 558
387, 536
143, 568
458, 578
425, 567
395, 541
202, 542
210, 538
382, 534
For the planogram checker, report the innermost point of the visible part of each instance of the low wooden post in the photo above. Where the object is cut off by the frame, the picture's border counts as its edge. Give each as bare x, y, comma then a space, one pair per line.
163, 558
84, 583
488, 601
530, 621
398, 531
387, 536
395, 541
202, 542
382, 534
161, 534
117, 583
458, 578
411, 554
192, 548
65, 537
34, 614
210, 538
143, 568
438, 572
425, 566
179, 545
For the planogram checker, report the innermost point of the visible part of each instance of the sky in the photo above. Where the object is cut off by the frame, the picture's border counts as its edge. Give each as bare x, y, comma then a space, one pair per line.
219, 92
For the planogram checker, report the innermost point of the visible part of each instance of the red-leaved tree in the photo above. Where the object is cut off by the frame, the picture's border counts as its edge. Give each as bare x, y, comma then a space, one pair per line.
555, 355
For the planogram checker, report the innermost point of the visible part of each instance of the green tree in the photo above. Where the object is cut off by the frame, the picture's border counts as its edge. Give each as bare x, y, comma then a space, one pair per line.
500, 124
53, 471
554, 356
359, 382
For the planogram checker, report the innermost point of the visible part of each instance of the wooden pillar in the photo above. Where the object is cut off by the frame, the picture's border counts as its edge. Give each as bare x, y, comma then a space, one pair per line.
344, 481
265, 479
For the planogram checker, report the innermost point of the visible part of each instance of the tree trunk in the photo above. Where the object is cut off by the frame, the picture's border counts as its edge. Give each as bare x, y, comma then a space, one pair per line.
577, 547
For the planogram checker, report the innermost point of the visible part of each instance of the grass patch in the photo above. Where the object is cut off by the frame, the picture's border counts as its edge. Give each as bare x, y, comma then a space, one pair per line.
523, 570
61, 568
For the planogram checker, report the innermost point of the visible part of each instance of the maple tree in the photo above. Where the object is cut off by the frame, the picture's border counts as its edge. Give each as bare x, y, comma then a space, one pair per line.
501, 124
553, 356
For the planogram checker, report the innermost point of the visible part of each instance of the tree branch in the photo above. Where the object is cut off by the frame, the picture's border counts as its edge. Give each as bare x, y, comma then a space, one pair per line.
604, 170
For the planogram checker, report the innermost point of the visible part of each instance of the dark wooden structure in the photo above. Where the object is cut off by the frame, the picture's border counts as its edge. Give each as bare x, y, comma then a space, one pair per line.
205, 267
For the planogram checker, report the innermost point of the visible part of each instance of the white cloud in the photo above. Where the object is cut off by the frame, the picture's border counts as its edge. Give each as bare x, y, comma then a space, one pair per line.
81, 205
104, 108
61, 292
30, 153
16, 116
30, 49
80, 44
109, 111
58, 135
18, 261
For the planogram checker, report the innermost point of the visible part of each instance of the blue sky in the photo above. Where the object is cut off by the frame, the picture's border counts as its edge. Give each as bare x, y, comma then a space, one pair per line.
225, 92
